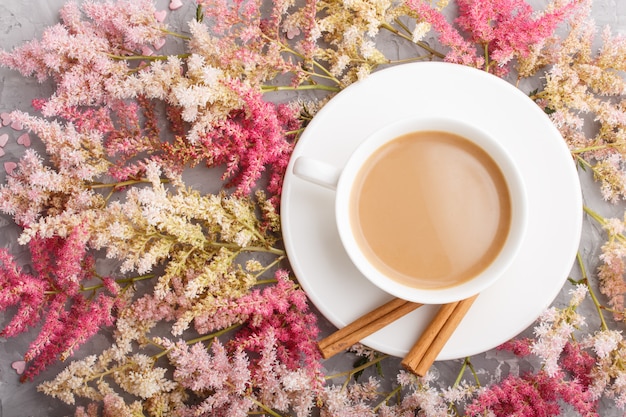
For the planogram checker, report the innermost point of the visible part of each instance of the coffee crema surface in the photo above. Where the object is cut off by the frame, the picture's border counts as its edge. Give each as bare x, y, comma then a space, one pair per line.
430, 209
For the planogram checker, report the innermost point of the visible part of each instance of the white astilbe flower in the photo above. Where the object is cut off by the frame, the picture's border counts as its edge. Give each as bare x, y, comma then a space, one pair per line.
605, 342
141, 378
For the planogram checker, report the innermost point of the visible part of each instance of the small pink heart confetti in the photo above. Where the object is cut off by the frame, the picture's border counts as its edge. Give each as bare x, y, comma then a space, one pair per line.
4, 138
160, 15
292, 33
175, 4
9, 167
6, 119
17, 125
24, 140
2, 153
158, 44
146, 51
19, 367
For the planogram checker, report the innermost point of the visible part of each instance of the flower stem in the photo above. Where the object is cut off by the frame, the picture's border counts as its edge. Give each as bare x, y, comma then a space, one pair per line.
387, 398
122, 183
353, 371
302, 87
602, 221
145, 57
200, 339
267, 268
422, 45
235, 247
264, 407
592, 148
467, 363
176, 35
592, 294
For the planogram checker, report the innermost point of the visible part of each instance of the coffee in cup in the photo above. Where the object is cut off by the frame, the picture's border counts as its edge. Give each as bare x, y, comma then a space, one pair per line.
432, 210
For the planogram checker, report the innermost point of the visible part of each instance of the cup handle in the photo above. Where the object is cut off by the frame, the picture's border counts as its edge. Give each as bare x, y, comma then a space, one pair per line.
317, 172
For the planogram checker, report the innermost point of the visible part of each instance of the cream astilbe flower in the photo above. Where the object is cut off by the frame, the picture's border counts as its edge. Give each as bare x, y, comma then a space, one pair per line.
198, 236
142, 378
69, 383
350, 28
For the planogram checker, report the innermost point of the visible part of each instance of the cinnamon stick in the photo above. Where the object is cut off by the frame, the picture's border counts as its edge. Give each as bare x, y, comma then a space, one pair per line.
364, 326
424, 352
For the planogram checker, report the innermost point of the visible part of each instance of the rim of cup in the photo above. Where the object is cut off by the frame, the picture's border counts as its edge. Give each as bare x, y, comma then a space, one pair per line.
517, 196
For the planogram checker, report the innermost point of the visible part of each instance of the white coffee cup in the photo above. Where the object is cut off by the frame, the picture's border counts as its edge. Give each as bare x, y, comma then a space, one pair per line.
343, 181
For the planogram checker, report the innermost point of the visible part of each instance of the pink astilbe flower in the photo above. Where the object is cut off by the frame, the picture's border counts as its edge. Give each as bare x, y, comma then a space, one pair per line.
134, 139
280, 310
578, 363
509, 28
78, 53
284, 311
235, 389
244, 36
532, 395
460, 50
23, 290
85, 119
53, 297
226, 377
36, 190
612, 269
251, 141
519, 347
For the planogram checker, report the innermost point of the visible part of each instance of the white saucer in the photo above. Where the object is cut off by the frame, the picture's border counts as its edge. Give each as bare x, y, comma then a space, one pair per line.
312, 242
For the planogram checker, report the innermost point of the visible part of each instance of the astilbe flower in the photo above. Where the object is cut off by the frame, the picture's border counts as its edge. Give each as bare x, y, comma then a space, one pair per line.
54, 298
460, 50
498, 32
509, 29
134, 138
259, 367
78, 53
231, 124
280, 309
36, 190
612, 267
135, 372
250, 35
532, 395
252, 140
197, 237
568, 371
421, 397
283, 311
607, 377
350, 29
584, 84
235, 389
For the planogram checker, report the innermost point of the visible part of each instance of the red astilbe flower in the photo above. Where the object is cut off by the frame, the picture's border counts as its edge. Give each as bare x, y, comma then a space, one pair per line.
461, 51
509, 28
251, 140
502, 30
53, 298
283, 311
254, 139
532, 395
